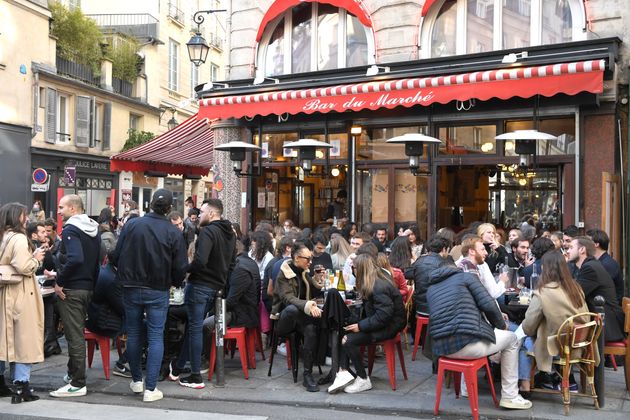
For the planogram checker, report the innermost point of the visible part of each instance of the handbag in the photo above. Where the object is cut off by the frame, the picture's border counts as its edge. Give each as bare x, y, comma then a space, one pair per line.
8, 274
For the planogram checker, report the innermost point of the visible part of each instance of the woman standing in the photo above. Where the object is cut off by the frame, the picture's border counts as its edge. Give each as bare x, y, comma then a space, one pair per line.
385, 317
557, 297
22, 326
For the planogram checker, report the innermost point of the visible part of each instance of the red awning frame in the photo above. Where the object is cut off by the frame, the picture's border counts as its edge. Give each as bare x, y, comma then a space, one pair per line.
278, 7
525, 82
184, 150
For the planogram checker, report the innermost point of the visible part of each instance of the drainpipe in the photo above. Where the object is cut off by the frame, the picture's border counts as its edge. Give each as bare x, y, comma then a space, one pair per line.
36, 100
627, 215
228, 41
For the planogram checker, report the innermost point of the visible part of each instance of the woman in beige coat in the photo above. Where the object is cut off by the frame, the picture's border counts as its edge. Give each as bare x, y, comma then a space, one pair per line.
21, 306
557, 298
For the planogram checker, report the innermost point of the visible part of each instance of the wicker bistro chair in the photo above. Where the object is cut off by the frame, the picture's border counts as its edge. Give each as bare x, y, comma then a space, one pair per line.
577, 344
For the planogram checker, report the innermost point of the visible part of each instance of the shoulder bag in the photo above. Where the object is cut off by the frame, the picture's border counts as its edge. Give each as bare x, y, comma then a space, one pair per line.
8, 274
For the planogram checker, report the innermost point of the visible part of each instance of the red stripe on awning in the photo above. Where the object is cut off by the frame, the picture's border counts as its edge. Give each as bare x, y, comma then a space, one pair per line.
525, 82
280, 6
426, 6
186, 149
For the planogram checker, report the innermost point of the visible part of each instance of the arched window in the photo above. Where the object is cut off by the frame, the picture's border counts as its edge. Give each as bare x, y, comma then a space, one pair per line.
472, 26
314, 36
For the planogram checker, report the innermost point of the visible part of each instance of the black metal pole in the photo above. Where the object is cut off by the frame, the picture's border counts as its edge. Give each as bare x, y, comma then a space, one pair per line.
599, 370
219, 329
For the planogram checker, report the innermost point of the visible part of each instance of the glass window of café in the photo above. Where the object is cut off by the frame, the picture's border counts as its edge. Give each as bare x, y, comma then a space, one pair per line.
176, 186
94, 191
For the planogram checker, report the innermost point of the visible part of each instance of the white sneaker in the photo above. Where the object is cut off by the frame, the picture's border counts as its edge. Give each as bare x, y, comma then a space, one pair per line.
516, 403
342, 379
137, 387
282, 349
154, 395
69, 391
359, 385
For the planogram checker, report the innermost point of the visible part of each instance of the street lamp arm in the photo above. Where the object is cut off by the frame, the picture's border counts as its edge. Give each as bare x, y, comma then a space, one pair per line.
199, 18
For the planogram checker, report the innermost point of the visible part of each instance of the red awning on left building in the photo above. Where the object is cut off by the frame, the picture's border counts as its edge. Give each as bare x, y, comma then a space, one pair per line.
185, 150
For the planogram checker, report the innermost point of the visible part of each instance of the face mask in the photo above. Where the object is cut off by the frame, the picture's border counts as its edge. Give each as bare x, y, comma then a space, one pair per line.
35, 209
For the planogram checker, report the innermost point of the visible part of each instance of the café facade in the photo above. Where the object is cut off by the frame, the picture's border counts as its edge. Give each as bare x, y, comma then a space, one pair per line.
354, 74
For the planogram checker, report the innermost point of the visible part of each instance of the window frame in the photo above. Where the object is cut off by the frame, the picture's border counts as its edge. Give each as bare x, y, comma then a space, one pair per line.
173, 65
63, 137
578, 15
262, 46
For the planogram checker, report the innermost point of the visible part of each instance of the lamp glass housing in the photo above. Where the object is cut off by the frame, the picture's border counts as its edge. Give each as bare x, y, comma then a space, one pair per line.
197, 49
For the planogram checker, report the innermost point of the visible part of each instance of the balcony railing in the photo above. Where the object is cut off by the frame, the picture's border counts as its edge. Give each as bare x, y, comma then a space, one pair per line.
215, 41
122, 87
175, 13
77, 71
137, 25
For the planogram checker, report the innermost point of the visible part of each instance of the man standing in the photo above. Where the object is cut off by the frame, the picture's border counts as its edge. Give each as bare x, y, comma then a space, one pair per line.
601, 240
77, 271
595, 281
215, 254
468, 335
337, 208
150, 257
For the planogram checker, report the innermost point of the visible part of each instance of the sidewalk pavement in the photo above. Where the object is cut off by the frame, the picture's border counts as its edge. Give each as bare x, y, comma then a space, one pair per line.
414, 397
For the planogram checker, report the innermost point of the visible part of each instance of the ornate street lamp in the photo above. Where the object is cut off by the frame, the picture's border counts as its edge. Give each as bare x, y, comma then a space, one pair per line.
198, 48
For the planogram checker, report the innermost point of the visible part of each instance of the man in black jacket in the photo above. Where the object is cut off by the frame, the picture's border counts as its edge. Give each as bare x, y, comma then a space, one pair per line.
601, 240
151, 257
77, 271
243, 295
596, 281
419, 272
214, 258
457, 303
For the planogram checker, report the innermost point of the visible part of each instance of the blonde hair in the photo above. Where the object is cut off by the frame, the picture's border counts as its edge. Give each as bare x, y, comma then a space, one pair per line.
367, 273
339, 246
484, 227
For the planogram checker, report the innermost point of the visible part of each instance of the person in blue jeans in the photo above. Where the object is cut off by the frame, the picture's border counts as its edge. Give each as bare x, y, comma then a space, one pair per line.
214, 258
150, 257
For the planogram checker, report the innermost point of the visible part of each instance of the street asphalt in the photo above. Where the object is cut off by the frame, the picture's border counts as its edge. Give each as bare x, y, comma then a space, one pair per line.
413, 398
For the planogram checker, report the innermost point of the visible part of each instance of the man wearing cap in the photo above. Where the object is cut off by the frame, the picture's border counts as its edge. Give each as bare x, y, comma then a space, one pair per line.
151, 257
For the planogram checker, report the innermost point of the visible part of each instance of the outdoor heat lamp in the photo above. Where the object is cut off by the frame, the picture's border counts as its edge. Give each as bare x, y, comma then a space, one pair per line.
238, 152
414, 148
525, 144
307, 149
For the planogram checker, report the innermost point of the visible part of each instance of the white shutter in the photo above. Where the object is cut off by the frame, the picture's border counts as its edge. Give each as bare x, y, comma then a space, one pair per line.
82, 121
51, 116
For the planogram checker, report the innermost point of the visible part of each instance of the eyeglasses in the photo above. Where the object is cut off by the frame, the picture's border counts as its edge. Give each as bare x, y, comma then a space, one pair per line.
306, 258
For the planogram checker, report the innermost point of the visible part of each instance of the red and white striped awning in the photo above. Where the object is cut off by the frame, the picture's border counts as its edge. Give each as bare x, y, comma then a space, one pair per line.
185, 150
525, 82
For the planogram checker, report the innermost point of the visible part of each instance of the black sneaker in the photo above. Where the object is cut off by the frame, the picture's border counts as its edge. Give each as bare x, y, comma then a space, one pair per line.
121, 370
173, 371
192, 381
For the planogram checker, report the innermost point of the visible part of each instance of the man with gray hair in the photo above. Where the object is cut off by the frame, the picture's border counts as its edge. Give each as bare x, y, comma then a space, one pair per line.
77, 271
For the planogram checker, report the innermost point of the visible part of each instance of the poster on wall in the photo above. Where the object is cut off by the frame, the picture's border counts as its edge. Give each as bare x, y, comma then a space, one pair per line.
265, 150
261, 200
271, 199
335, 151
287, 151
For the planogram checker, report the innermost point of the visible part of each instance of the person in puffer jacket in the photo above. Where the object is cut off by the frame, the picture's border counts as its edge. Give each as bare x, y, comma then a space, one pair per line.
385, 317
466, 323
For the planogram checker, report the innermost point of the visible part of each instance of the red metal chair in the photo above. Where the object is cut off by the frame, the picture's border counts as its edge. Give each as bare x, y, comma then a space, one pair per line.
421, 321
620, 348
469, 368
254, 344
390, 347
103, 345
240, 335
